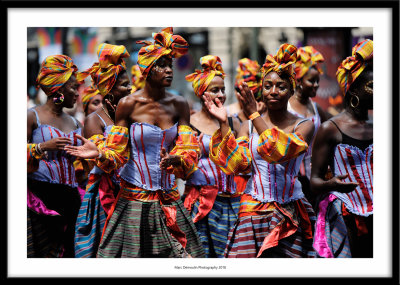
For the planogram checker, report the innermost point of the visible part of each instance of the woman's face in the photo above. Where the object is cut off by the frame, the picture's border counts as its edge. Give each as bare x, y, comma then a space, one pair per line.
276, 91
367, 90
310, 83
94, 104
162, 73
122, 87
216, 89
70, 92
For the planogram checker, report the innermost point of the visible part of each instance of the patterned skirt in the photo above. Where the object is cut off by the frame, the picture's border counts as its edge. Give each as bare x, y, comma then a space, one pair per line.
272, 230
139, 227
340, 234
214, 228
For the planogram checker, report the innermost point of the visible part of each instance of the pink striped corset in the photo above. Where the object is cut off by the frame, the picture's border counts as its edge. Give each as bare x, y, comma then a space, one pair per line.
58, 166
209, 174
143, 169
359, 165
273, 182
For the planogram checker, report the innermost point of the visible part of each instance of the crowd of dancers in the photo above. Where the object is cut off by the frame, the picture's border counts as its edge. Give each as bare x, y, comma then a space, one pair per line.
272, 175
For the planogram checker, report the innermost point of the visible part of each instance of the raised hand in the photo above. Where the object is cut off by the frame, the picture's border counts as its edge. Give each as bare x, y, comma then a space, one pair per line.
246, 99
87, 150
338, 185
169, 160
113, 107
216, 108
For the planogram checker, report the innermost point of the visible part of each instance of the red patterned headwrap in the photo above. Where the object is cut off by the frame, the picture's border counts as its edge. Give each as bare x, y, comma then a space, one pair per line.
111, 62
307, 57
249, 71
212, 66
165, 43
282, 63
352, 66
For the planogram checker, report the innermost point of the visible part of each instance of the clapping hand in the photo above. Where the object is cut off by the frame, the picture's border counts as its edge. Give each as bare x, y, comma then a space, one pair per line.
87, 150
216, 108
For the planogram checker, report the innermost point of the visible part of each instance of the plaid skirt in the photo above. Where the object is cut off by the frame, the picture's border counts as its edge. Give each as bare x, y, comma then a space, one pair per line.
274, 230
138, 228
214, 228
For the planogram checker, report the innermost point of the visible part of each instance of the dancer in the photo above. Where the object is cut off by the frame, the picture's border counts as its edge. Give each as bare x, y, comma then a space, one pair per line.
211, 195
274, 217
91, 100
111, 82
53, 197
152, 139
345, 144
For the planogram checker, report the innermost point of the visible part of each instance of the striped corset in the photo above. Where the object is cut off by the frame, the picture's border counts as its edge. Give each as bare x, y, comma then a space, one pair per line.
98, 170
316, 119
142, 168
210, 174
359, 165
58, 166
273, 182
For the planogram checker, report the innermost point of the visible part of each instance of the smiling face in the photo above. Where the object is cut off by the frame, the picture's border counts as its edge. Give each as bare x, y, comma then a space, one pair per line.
276, 91
310, 83
70, 92
216, 89
161, 73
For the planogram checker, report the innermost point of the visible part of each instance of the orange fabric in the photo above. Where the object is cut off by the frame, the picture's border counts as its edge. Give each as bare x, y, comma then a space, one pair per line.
360, 221
106, 193
206, 198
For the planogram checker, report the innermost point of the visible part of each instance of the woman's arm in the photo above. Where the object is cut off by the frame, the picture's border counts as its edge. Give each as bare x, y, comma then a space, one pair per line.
326, 139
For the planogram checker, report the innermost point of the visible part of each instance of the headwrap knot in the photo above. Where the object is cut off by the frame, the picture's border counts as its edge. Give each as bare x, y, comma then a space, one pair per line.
165, 43
54, 72
352, 66
307, 57
249, 71
212, 66
111, 62
282, 63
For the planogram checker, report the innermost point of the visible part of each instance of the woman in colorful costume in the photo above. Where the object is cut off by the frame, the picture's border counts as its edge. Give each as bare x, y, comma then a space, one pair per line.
111, 80
274, 217
53, 196
210, 194
91, 100
152, 139
308, 74
345, 144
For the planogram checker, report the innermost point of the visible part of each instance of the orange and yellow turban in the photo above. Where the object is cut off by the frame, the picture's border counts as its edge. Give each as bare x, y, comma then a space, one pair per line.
54, 72
352, 66
249, 71
212, 66
138, 81
111, 62
282, 63
165, 43
88, 93
307, 57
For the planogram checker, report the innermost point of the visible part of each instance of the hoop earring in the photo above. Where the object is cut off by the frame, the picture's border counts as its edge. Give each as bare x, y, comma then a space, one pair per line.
58, 99
351, 101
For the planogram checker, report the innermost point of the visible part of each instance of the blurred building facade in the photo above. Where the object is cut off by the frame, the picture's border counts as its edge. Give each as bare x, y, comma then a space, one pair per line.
229, 43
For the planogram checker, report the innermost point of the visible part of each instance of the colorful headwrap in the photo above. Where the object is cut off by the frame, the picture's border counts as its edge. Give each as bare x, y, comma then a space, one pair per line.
212, 66
111, 62
249, 71
54, 72
138, 81
88, 93
352, 66
282, 63
307, 57
165, 43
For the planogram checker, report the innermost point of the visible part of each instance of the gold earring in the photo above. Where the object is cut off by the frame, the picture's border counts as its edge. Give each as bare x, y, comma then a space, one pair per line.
351, 101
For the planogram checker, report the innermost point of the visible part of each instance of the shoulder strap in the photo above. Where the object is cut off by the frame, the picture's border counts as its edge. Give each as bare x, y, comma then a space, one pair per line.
37, 116
302, 121
230, 121
336, 126
101, 119
251, 126
314, 104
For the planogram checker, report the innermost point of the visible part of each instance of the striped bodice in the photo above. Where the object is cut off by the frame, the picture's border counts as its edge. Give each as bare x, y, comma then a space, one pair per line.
273, 182
359, 165
58, 166
210, 174
142, 168
316, 119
